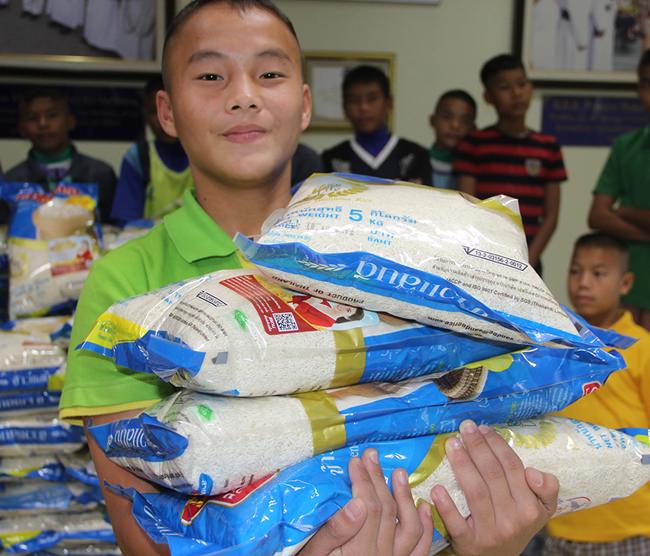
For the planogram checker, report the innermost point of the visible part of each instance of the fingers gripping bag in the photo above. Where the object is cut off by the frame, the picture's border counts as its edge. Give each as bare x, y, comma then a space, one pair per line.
278, 513
26, 535
232, 332
435, 256
53, 240
200, 443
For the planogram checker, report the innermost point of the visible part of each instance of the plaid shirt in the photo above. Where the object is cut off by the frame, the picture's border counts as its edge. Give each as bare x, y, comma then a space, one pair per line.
634, 546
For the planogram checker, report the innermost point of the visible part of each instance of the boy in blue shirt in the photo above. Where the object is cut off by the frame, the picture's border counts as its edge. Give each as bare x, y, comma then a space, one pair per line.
154, 174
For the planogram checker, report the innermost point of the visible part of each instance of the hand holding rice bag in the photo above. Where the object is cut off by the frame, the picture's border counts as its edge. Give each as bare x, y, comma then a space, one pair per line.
232, 332
280, 512
194, 442
53, 240
431, 255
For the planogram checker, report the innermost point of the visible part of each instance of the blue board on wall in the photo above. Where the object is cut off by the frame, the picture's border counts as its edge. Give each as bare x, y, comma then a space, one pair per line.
103, 113
590, 120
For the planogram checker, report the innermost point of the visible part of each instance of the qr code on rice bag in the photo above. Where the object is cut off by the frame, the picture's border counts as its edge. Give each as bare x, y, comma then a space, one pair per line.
286, 322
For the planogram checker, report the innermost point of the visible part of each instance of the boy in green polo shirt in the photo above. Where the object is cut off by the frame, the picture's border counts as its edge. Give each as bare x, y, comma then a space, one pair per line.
621, 203
235, 97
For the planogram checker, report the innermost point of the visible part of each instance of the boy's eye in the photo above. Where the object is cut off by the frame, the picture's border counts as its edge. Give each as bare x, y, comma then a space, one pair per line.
210, 77
271, 75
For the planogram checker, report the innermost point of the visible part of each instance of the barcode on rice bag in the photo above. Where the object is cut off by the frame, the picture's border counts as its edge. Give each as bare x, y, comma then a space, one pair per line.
286, 322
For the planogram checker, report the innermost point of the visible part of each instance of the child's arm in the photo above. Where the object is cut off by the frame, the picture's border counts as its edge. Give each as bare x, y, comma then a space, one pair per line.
466, 184
549, 222
603, 216
637, 216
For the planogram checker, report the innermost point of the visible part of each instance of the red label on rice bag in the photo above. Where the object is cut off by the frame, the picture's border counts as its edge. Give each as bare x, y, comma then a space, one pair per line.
589, 387
279, 316
193, 506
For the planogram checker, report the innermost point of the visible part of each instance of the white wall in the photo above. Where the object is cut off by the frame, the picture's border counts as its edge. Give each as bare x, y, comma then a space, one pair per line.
436, 48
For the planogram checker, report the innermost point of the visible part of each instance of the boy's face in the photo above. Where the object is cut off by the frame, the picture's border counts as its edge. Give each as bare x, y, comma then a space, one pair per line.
237, 100
509, 91
366, 107
644, 87
597, 280
46, 123
451, 122
151, 119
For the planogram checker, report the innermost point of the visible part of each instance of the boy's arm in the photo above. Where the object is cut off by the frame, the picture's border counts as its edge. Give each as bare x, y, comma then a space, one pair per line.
637, 216
131, 539
549, 222
602, 216
466, 184
420, 170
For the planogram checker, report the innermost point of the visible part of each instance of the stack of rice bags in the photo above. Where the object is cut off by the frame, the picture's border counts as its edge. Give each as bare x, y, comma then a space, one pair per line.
302, 379
49, 493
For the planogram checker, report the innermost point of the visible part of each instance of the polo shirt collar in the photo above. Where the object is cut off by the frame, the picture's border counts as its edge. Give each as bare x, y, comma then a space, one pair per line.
195, 235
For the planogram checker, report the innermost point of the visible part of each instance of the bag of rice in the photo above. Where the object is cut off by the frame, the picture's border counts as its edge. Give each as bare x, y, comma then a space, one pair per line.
53, 240
79, 467
39, 435
115, 236
34, 467
71, 548
37, 496
25, 535
25, 404
435, 256
278, 513
168, 444
216, 332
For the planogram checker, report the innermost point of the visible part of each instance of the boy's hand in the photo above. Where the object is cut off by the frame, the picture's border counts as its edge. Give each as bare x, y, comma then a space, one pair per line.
374, 521
508, 503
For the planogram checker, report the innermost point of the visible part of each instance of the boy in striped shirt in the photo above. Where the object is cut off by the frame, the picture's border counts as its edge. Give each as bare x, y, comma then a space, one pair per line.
508, 158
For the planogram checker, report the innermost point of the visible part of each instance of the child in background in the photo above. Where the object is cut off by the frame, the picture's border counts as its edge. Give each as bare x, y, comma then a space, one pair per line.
453, 118
621, 203
598, 277
46, 121
510, 159
374, 150
154, 174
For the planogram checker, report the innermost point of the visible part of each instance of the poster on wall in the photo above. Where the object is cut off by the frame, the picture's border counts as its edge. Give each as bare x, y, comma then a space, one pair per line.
583, 41
97, 35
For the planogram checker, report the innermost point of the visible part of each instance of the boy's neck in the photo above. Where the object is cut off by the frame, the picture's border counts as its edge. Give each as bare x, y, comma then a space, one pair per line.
440, 147
515, 127
58, 155
608, 319
243, 209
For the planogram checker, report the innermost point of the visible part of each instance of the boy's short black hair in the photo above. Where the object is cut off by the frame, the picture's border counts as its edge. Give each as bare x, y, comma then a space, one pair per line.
458, 94
366, 74
194, 6
31, 94
643, 61
502, 62
153, 85
601, 240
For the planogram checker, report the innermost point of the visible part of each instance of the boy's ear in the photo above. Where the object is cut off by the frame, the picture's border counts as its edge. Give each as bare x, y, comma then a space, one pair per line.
487, 97
306, 106
626, 283
71, 121
165, 113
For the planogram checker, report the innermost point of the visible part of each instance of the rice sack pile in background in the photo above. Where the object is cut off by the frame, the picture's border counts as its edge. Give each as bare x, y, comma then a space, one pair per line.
232, 332
179, 442
416, 252
52, 241
277, 514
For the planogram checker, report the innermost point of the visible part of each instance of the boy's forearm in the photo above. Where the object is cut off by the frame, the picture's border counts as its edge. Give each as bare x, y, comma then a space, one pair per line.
466, 184
132, 540
541, 240
635, 216
608, 221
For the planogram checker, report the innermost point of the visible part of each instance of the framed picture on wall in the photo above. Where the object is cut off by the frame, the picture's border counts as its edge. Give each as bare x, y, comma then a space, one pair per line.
593, 43
83, 35
324, 71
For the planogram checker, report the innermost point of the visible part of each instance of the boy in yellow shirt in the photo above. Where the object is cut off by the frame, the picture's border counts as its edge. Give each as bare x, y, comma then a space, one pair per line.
598, 277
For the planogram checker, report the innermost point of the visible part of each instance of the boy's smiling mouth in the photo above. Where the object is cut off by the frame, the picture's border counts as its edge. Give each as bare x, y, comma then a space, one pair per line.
244, 133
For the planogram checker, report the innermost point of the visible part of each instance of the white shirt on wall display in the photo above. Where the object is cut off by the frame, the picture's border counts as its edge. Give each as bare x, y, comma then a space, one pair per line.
69, 13
136, 30
601, 46
34, 7
101, 24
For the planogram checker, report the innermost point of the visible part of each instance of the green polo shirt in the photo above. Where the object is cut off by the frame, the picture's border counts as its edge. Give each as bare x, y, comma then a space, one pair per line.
188, 243
626, 178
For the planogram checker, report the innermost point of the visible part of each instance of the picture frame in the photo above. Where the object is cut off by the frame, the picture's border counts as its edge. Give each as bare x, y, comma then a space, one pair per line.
585, 45
324, 72
96, 37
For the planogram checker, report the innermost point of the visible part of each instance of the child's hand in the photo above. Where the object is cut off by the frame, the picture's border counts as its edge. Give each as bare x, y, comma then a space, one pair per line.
508, 503
374, 521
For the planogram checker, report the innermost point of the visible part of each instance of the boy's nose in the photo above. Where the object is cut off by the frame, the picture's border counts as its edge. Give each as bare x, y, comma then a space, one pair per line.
243, 96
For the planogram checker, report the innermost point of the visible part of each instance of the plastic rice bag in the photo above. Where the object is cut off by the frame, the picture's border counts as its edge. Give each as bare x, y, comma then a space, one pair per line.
182, 442
47, 468
278, 514
28, 404
53, 240
435, 256
214, 334
24, 535
39, 435
36, 496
